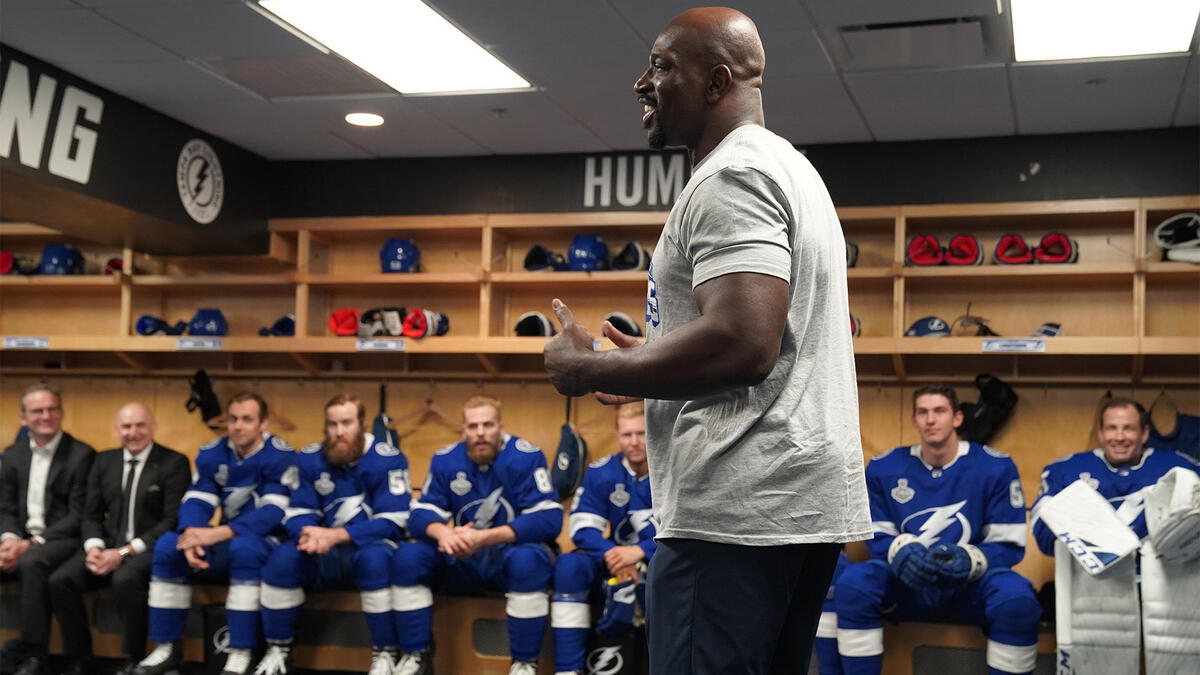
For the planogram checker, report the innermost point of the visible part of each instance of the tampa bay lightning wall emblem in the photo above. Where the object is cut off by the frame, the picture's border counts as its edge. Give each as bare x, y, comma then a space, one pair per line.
200, 182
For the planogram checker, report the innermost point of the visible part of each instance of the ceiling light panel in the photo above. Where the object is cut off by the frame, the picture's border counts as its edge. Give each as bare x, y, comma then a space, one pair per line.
404, 43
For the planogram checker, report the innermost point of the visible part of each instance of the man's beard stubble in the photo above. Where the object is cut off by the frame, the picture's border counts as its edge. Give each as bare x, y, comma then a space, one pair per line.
342, 453
657, 138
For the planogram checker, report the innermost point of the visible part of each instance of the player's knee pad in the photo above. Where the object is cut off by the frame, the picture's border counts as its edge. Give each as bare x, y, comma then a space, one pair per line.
247, 555
1012, 604
284, 566
573, 573
527, 567
168, 561
371, 566
860, 589
412, 563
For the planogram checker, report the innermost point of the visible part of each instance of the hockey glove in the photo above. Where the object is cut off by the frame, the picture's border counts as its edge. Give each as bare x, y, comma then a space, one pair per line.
913, 565
619, 600
957, 565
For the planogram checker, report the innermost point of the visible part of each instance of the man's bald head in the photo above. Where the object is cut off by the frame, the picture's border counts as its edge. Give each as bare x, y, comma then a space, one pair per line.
713, 36
704, 80
135, 426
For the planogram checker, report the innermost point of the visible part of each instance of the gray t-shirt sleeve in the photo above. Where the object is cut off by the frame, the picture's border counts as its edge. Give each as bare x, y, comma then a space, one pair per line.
737, 221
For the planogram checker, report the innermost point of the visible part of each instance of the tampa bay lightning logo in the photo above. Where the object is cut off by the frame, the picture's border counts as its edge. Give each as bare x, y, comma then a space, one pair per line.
939, 523
236, 497
605, 661
652, 316
626, 532
491, 511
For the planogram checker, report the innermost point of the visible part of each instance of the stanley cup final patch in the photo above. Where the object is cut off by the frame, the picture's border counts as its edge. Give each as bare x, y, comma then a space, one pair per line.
902, 493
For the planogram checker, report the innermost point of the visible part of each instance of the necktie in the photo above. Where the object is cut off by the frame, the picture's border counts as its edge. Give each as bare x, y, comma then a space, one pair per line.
127, 503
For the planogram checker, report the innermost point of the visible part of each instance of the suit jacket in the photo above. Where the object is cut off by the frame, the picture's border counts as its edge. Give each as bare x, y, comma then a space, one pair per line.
165, 478
66, 488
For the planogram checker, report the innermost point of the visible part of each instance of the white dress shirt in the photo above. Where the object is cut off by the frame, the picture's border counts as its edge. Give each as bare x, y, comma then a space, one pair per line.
137, 545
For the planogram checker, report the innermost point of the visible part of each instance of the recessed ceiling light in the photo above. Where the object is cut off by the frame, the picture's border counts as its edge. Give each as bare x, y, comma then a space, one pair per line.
403, 43
364, 119
1050, 30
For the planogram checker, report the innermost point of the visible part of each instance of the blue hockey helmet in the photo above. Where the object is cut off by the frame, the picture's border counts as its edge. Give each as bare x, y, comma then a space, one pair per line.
61, 259
208, 321
588, 252
398, 255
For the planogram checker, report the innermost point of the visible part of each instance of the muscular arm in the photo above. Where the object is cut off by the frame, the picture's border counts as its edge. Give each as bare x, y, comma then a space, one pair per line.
734, 343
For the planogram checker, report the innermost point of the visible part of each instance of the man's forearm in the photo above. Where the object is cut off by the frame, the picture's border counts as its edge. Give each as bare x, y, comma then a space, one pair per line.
701, 358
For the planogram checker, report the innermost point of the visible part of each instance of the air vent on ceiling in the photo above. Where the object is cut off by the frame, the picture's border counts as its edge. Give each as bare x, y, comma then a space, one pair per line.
297, 76
942, 42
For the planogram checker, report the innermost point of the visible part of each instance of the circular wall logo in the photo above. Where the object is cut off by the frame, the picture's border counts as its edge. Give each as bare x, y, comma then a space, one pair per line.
200, 181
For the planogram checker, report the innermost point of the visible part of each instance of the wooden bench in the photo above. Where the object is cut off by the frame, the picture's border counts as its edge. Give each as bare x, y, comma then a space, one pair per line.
462, 625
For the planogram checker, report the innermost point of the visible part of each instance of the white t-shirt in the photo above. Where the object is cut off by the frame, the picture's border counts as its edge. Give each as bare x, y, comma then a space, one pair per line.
780, 462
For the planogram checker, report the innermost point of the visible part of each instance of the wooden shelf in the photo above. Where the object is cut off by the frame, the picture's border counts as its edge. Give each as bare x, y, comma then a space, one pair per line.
238, 280
988, 271
316, 264
565, 277
379, 279
1056, 345
112, 281
870, 273
1172, 270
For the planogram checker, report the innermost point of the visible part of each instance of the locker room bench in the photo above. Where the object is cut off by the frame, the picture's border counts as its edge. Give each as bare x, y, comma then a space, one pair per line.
470, 633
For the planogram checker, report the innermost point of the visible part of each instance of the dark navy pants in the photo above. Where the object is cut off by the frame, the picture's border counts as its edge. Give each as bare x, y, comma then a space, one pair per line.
721, 608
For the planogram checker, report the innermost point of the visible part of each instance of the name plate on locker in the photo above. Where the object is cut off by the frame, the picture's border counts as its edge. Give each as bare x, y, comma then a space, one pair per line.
371, 345
198, 344
1021, 345
26, 342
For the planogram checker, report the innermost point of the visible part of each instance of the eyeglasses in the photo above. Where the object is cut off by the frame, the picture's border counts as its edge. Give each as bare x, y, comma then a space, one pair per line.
44, 411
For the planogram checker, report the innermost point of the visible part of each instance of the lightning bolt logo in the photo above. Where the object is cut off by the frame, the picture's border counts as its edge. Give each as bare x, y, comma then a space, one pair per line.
605, 661
236, 497
201, 178
488, 509
941, 518
347, 508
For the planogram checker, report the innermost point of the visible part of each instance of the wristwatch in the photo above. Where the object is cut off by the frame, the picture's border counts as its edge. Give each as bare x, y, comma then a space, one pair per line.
124, 552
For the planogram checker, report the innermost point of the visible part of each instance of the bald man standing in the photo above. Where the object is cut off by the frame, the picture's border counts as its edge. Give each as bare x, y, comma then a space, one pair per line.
748, 369
133, 497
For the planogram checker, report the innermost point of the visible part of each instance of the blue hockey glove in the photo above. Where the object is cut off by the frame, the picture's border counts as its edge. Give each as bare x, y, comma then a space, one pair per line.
957, 565
914, 567
619, 601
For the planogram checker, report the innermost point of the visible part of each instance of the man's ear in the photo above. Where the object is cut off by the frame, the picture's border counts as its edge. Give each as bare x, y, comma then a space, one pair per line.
720, 79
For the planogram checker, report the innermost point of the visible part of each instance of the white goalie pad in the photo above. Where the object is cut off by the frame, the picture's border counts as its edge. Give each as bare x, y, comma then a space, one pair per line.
1088, 525
1173, 515
1170, 613
1097, 617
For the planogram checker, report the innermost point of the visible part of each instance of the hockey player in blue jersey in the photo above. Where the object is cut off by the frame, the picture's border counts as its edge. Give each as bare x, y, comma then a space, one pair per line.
949, 520
1120, 469
1147, 595
343, 525
487, 519
614, 496
248, 474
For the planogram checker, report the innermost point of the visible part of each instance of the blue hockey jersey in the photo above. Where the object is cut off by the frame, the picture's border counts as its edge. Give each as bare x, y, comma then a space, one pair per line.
515, 490
370, 498
252, 492
976, 499
612, 496
1121, 486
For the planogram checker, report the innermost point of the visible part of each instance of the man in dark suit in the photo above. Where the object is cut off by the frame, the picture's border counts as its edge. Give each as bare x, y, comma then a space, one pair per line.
133, 496
43, 483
